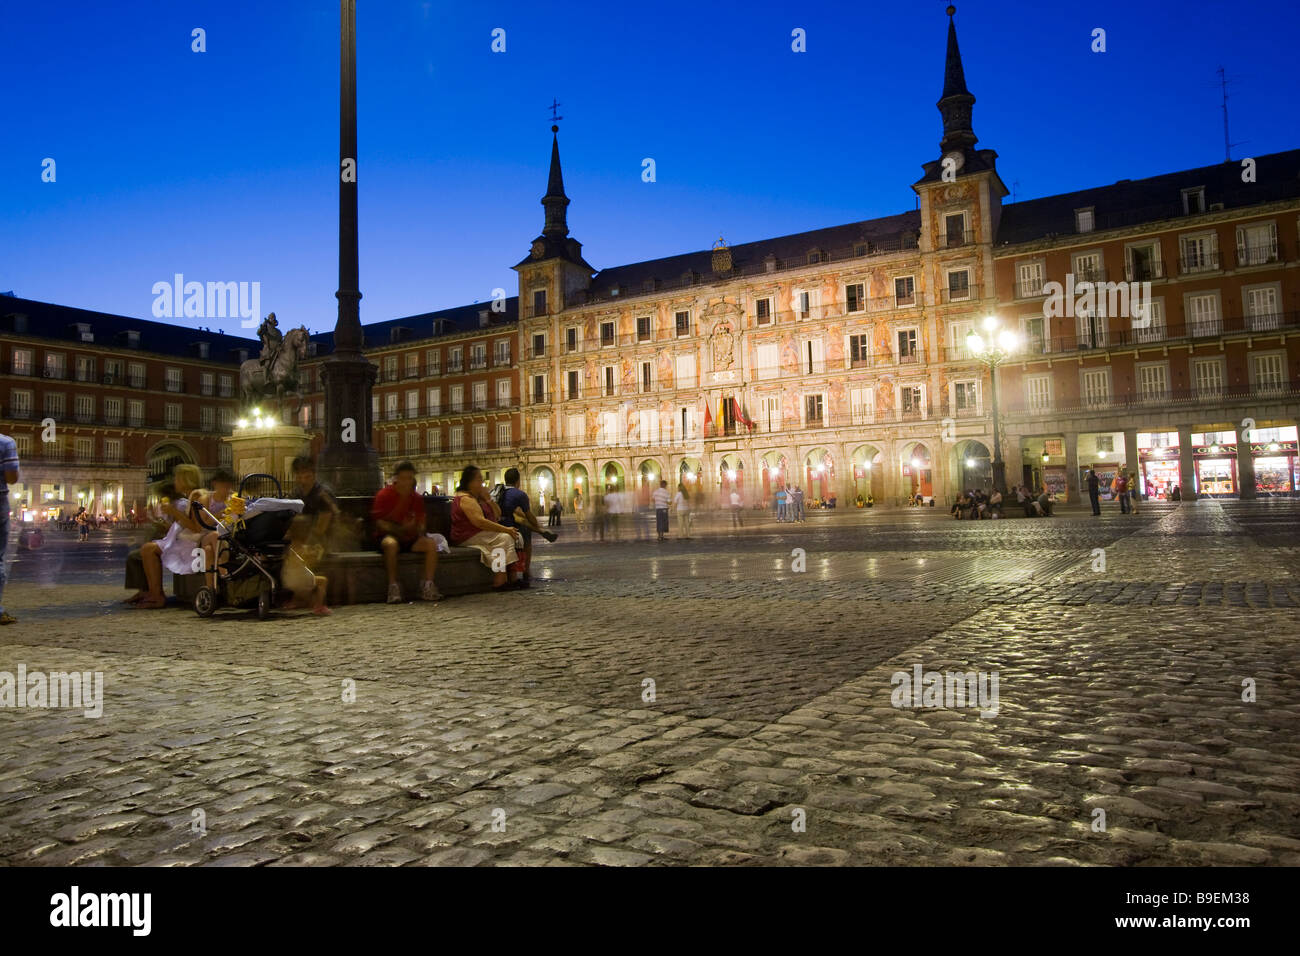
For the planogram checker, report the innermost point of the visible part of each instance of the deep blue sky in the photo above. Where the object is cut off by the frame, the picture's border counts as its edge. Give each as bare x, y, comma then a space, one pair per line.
222, 165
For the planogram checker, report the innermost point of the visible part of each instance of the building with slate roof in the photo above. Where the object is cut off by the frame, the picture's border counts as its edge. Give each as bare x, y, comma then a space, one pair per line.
101, 405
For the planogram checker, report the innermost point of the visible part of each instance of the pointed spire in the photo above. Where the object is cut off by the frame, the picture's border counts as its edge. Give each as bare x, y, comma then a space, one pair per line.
956, 103
555, 202
954, 77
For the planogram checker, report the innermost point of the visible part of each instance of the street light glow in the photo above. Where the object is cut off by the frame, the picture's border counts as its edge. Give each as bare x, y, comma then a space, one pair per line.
970, 462
990, 323
916, 463
975, 342
1008, 340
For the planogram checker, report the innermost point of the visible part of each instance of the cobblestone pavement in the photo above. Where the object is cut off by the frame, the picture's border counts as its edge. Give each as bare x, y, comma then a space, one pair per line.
518, 728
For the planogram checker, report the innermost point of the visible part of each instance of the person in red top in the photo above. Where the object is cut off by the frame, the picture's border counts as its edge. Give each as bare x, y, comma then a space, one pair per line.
398, 516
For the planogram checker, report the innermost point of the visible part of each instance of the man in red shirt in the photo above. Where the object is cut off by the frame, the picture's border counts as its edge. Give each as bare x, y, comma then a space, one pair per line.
398, 517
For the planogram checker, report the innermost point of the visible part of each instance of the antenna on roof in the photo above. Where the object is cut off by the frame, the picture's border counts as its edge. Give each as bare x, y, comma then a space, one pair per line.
1015, 184
1227, 146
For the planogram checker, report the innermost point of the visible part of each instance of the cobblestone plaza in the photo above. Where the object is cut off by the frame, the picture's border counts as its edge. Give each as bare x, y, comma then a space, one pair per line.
1146, 667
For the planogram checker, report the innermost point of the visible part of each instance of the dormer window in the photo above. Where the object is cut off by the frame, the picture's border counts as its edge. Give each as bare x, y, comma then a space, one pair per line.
815, 257
82, 332
200, 349
1194, 201
1084, 220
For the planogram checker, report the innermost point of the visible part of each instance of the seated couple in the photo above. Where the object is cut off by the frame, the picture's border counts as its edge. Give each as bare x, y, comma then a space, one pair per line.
500, 530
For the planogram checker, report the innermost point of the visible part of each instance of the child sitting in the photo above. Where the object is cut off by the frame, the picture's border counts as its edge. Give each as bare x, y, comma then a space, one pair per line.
297, 575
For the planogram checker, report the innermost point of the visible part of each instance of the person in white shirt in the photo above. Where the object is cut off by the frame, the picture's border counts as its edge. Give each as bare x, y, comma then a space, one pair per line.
683, 505
660, 497
737, 519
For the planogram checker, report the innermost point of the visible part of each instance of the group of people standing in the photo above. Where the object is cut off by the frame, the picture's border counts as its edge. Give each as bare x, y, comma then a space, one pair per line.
1123, 488
789, 503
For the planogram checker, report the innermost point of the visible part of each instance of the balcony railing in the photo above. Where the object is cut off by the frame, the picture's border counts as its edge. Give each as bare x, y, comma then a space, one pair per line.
536, 312
968, 294
1259, 255
1089, 273
19, 369
1144, 271
477, 363
953, 238
1111, 337
1189, 264
1139, 402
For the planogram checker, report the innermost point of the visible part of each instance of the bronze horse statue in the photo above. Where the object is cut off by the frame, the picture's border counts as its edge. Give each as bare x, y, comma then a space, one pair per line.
256, 385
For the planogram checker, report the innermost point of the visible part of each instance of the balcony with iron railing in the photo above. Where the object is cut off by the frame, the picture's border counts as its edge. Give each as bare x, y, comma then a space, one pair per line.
1168, 399
953, 238
536, 312
1264, 254
1198, 262
948, 295
1144, 271
1108, 337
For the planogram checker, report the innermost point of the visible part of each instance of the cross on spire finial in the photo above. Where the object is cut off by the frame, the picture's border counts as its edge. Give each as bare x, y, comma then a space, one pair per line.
555, 105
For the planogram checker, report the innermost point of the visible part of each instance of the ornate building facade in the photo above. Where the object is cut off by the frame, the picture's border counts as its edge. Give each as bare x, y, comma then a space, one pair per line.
837, 359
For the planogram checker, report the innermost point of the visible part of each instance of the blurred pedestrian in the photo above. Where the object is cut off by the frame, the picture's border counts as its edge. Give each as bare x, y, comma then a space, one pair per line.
661, 498
8, 476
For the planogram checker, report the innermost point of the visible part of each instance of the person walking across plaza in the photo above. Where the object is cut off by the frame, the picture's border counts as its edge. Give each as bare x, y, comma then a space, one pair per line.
1094, 491
737, 518
683, 506
1133, 491
598, 516
798, 505
781, 504
661, 498
1119, 488
317, 502
399, 518
8, 476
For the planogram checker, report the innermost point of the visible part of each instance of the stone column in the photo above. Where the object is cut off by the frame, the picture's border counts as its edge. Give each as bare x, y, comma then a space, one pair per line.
1131, 457
1013, 456
1186, 464
1072, 490
1245, 467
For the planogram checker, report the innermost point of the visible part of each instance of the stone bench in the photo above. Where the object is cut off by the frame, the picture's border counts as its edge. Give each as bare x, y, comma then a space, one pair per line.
358, 577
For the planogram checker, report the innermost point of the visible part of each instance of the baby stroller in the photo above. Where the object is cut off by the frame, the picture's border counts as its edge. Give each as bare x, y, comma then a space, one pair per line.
248, 567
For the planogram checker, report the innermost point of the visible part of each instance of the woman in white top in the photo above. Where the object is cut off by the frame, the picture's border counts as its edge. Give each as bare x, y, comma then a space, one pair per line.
683, 506
175, 550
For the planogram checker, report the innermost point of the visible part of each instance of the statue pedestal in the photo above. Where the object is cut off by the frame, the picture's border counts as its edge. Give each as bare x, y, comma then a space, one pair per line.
268, 450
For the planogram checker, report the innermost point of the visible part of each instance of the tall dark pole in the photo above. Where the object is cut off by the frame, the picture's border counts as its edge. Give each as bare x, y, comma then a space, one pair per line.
999, 466
347, 462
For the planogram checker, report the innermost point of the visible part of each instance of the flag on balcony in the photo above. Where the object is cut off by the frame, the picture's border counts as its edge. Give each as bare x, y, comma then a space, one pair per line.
721, 420
708, 420
739, 414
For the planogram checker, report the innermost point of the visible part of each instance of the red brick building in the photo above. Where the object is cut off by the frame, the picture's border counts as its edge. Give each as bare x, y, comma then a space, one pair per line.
101, 405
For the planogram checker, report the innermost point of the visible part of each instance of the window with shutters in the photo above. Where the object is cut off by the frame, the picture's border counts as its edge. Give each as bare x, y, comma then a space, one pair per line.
1087, 267
1038, 392
84, 409
480, 437
390, 443
685, 371
208, 417
1207, 375
1203, 314
412, 441
456, 439
862, 405
1029, 279
504, 438
1096, 387
113, 449
433, 441
55, 405
456, 396
647, 379
763, 311
479, 396
911, 401
542, 432
643, 328
859, 349
683, 323
814, 409
413, 403
769, 414
1153, 382
1257, 244
906, 339
433, 362
1268, 372
1199, 252
855, 297
904, 290
134, 413
575, 429
433, 398
503, 393
172, 415
390, 407
966, 398
85, 449
813, 355
112, 411
765, 361
1149, 321
1262, 309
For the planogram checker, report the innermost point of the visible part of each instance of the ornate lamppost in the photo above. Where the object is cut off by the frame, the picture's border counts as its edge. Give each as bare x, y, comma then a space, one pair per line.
992, 347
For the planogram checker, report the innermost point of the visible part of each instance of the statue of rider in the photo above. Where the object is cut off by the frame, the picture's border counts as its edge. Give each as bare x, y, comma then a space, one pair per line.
272, 341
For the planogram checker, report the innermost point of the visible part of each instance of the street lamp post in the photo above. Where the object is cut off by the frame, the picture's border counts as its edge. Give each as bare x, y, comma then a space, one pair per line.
993, 347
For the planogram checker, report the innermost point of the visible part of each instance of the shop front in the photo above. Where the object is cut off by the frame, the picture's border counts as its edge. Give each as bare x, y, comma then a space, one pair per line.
1277, 464
1215, 457
1158, 457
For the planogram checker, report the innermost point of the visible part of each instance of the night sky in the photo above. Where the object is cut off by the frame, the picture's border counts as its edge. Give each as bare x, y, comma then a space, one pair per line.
222, 165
